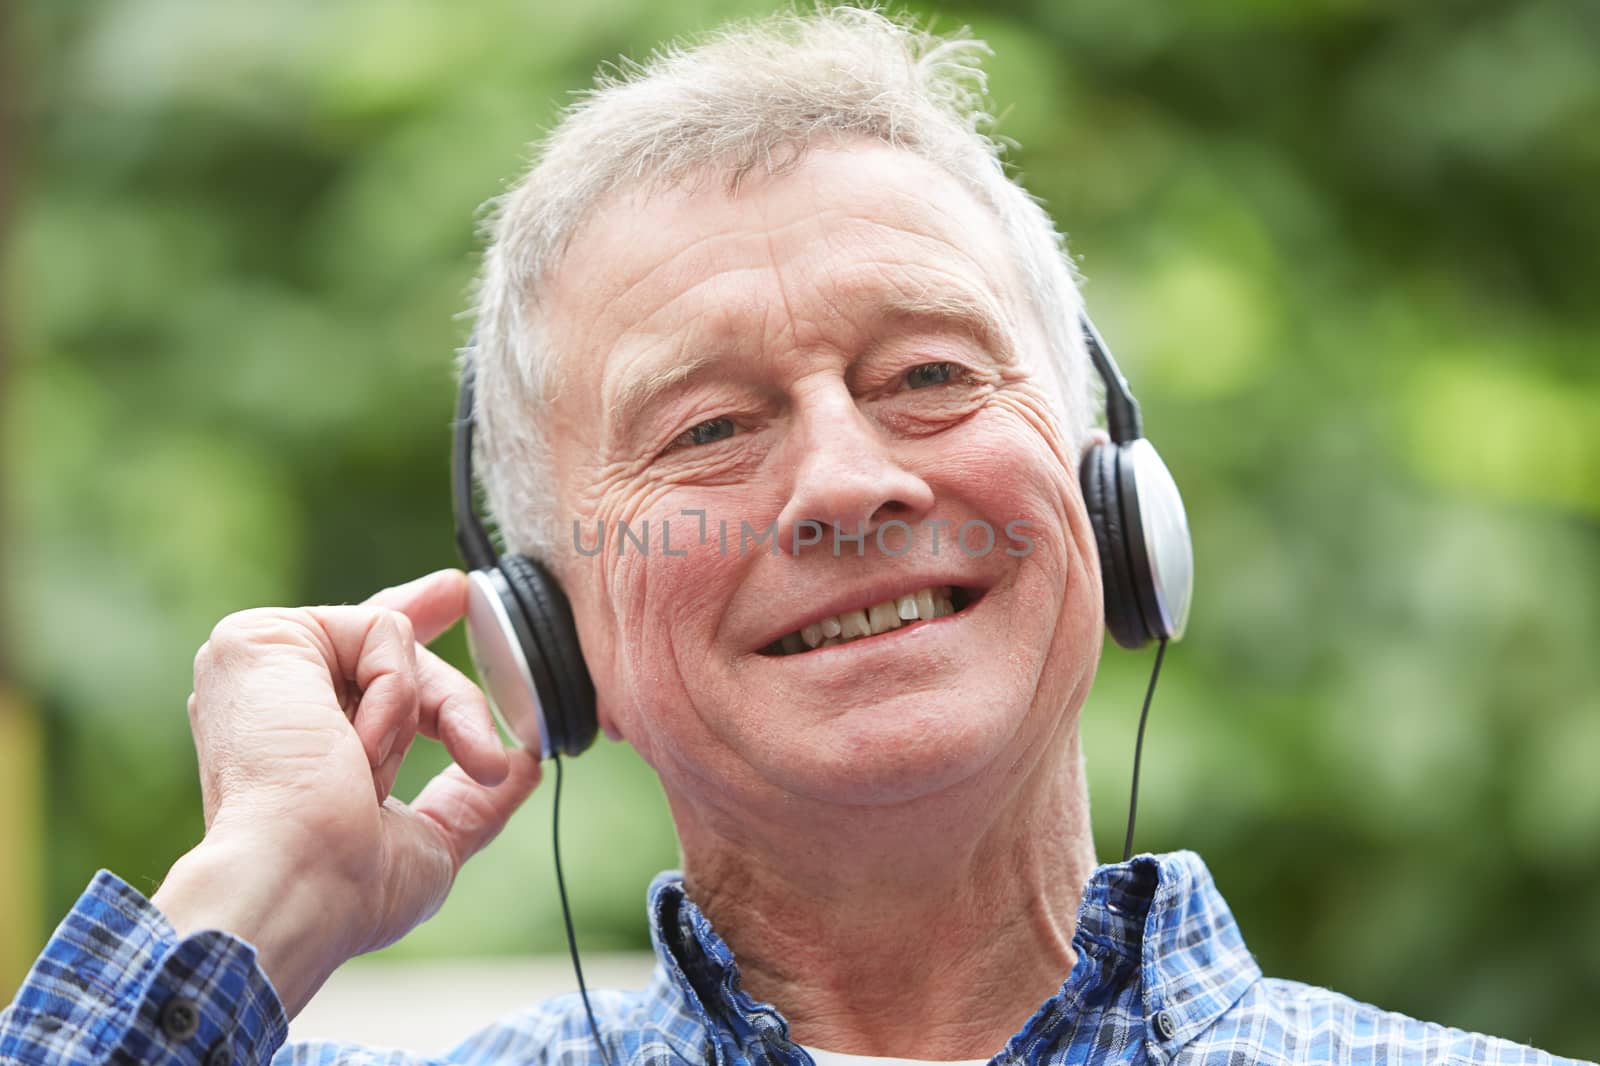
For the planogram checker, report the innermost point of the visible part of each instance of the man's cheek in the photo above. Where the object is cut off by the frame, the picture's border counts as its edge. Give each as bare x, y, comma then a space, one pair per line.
1032, 503
1029, 408
665, 607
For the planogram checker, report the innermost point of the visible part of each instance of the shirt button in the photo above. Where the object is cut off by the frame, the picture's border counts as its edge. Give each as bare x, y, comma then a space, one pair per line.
221, 1053
180, 1018
1166, 1024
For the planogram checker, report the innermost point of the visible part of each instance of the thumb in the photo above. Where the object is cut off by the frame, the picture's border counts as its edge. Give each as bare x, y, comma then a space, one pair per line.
428, 840
468, 815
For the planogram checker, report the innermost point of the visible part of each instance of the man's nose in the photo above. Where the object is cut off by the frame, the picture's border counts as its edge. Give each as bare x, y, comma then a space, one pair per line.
848, 482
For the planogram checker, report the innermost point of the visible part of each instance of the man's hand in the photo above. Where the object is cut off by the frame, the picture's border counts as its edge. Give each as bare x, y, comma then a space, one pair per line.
301, 718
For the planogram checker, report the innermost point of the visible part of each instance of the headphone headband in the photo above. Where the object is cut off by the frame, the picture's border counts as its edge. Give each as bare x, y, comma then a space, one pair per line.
1122, 410
472, 539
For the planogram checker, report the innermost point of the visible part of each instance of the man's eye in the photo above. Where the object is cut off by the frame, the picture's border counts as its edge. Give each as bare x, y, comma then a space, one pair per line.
920, 377
707, 432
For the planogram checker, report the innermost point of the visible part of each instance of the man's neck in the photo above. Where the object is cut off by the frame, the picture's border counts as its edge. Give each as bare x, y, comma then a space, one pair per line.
919, 931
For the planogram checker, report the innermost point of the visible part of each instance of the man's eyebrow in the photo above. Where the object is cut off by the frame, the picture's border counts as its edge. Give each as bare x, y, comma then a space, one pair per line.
638, 390
955, 311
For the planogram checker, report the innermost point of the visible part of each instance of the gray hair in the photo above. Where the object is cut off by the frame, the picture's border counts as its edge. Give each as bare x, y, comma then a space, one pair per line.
750, 97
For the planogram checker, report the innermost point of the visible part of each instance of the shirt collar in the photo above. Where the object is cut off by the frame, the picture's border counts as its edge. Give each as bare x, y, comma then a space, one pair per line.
700, 966
1157, 916
1165, 911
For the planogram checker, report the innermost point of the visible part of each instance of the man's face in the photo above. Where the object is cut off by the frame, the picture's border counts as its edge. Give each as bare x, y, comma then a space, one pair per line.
844, 346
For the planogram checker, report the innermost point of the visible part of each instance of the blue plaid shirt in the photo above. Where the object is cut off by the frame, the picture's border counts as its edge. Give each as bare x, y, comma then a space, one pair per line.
1163, 976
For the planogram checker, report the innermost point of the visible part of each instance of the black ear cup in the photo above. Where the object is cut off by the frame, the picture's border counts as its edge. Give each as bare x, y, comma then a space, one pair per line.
1146, 558
1102, 490
569, 704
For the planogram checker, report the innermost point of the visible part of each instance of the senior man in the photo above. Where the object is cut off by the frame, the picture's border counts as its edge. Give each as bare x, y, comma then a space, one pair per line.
779, 279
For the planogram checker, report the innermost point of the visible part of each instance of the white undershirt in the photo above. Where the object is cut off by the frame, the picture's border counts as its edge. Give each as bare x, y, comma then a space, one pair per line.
839, 1058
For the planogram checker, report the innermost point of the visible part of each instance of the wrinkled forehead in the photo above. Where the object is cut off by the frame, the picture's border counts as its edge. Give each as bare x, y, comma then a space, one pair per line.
845, 226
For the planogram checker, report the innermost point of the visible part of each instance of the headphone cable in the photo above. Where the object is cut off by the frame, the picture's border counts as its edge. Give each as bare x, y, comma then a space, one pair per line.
1138, 749
566, 914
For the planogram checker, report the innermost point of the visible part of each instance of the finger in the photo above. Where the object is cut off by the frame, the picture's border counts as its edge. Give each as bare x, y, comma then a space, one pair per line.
455, 712
377, 648
432, 602
384, 776
470, 815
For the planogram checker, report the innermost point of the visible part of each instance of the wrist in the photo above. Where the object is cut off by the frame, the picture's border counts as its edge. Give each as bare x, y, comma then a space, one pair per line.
291, 919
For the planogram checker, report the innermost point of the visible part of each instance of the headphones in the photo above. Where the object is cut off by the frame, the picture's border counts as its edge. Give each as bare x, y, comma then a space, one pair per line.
519, 624
524, 641
1146, 557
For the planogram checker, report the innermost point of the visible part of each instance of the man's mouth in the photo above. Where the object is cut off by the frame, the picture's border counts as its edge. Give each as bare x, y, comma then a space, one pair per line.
924, 605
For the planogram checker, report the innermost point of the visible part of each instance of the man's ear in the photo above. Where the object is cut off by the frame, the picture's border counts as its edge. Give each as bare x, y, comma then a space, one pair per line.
598, 652
608, 722
1094, 437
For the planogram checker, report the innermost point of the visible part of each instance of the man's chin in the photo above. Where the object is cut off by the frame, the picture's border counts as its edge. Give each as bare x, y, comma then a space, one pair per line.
893, 749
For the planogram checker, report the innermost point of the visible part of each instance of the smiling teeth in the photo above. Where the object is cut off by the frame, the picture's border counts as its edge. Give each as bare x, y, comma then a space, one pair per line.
854, 624
925, 604
883, 617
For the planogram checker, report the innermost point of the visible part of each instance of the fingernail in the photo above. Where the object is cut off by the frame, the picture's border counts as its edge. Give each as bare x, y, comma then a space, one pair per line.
387, 743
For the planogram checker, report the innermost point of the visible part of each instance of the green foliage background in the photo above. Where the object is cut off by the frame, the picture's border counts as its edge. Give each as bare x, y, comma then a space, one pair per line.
1345, 249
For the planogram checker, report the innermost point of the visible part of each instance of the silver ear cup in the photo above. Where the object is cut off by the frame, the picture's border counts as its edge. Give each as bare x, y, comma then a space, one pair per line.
1167, 547
496, 644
